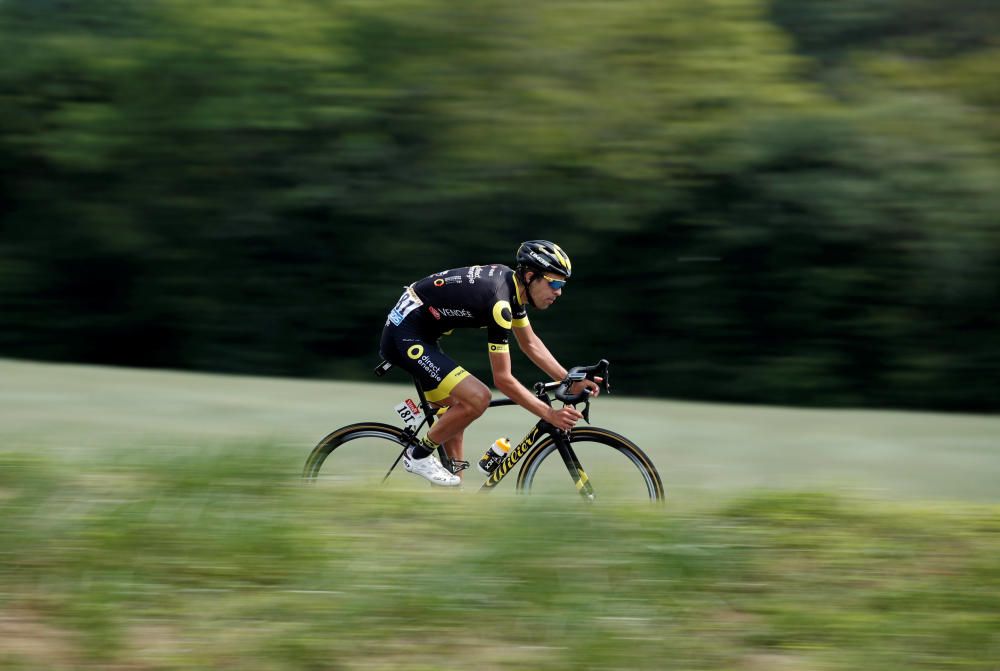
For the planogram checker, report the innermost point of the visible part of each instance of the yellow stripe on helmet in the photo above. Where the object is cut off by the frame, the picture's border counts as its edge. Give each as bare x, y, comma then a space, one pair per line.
562, 256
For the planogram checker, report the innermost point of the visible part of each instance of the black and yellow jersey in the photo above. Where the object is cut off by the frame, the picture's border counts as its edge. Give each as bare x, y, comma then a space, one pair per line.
470, 297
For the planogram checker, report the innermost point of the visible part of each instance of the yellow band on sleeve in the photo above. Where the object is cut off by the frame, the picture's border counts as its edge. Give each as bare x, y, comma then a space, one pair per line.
521, 322
493, 347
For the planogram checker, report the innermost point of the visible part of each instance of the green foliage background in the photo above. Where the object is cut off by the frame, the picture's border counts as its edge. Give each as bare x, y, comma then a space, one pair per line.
790, 202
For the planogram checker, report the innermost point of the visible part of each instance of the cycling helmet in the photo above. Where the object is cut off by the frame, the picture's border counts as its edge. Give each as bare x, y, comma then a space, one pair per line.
544, 255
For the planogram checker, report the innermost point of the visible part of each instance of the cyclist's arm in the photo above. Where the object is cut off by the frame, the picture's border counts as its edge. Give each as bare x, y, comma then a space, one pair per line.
540, 355
535, 349
509, 386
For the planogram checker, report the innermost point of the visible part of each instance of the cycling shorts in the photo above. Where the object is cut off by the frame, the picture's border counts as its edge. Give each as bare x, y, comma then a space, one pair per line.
421, 357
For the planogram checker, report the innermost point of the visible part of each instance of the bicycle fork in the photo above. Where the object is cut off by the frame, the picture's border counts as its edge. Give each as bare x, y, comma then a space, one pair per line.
574, 467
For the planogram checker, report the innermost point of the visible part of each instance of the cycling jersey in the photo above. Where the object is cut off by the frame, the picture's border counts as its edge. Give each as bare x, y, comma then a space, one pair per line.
470, 297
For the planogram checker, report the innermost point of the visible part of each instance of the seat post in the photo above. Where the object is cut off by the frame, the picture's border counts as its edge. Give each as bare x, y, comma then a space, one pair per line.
429, 412
383, 367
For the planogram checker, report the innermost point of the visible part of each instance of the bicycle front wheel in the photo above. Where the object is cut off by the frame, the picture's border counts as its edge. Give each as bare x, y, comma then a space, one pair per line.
360, 455
622, 473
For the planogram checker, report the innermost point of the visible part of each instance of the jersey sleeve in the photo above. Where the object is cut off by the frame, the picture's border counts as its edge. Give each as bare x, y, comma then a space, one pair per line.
499, 325
519, 316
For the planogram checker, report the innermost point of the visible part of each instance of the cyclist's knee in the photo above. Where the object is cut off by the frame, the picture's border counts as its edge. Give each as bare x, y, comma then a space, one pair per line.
474, 396
480, 403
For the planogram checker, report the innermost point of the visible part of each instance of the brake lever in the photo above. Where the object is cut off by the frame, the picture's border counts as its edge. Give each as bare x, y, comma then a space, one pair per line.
578, 374
602, 370
562, 393
585, 399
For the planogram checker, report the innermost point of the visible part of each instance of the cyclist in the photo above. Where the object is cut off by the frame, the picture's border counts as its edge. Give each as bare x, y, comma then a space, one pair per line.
494, 297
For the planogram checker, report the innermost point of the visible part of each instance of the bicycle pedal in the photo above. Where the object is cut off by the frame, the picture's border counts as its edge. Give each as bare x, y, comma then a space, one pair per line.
456, 466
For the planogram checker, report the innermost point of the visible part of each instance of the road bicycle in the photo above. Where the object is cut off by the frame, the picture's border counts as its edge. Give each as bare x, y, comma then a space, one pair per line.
616, 467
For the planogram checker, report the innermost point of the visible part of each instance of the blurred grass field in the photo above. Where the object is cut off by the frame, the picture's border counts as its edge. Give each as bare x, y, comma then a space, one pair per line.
704, 452
154, 520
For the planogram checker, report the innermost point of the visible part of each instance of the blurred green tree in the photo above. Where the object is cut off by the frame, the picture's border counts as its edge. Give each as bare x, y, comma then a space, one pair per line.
764, 201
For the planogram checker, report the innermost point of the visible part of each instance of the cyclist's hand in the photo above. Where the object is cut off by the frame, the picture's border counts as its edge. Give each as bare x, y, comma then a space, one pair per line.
564, 418
593, 386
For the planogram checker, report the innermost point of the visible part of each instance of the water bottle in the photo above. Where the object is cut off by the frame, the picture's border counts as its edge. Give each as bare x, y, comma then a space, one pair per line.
494, 455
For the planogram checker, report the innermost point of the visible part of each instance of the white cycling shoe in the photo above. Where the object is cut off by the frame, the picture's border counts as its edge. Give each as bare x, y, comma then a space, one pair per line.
431, 469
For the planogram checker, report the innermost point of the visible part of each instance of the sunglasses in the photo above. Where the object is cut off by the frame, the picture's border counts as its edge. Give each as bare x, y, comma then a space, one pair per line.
554, 283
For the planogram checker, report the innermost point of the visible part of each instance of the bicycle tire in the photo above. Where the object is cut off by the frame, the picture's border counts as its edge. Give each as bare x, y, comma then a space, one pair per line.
590, 436
390, 439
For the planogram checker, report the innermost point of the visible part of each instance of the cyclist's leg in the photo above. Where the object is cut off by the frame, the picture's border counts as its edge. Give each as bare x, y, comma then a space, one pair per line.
464, 406
467, 401
454, 447
405, 346
445, 383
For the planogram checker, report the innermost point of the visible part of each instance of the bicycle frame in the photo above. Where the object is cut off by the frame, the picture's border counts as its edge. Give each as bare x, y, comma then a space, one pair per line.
537, 432
540, 430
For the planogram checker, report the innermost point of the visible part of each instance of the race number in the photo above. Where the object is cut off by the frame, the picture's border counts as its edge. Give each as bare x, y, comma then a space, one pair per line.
406, 304
410, 413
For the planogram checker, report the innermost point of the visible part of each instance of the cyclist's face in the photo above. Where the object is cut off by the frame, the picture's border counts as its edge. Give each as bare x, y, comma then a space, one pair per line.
542, 293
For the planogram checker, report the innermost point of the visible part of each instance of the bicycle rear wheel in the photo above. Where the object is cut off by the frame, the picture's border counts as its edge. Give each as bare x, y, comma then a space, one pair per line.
360, 455
623, 473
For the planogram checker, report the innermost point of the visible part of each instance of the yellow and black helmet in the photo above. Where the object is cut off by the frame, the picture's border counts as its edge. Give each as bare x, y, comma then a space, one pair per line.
544, 255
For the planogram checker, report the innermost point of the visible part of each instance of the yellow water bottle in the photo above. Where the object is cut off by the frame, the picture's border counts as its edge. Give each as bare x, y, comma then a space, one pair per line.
494, 455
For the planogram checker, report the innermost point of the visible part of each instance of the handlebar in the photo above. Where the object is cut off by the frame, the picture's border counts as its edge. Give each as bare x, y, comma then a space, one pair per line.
576, 374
